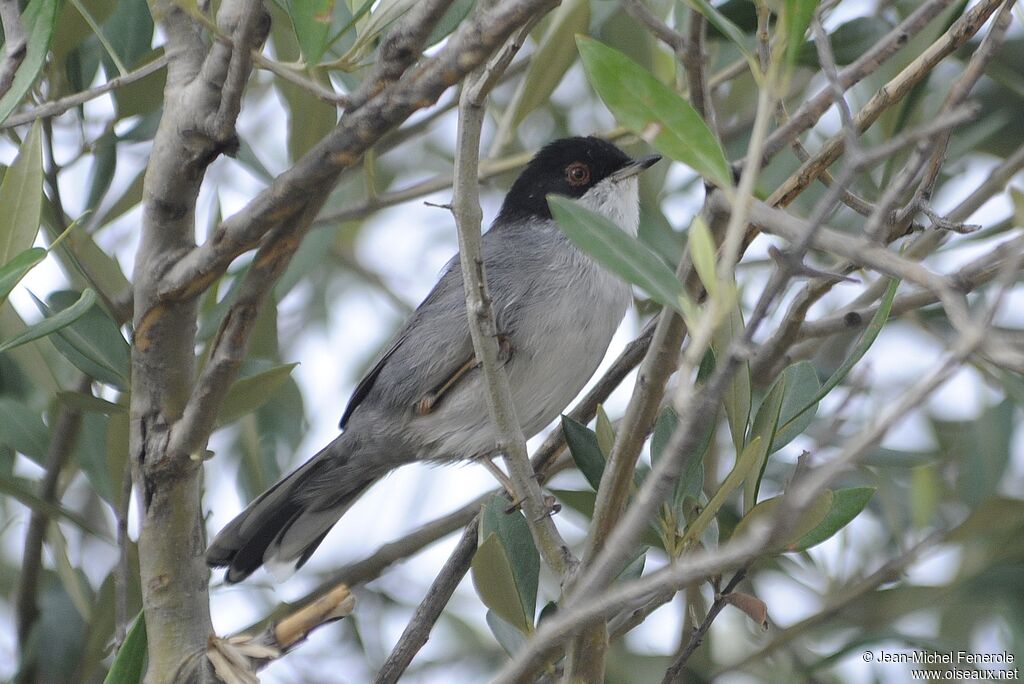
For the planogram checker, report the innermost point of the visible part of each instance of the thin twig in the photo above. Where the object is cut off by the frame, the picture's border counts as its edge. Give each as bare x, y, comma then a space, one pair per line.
58, 107
957, 95
303, 189
430, 608
65, 431
893, 91
466, 209
15, 43
675, 671
812, 109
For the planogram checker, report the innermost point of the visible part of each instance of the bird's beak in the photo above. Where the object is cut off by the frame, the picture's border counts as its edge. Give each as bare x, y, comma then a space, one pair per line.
636, 166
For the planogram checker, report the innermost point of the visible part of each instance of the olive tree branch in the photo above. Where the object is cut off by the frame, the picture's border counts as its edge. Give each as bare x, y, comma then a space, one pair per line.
15, 43
893, 91
510, 440
735, 553
303, 189
430, 609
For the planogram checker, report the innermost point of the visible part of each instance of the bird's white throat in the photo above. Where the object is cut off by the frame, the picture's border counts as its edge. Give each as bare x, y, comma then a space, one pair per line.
619, 201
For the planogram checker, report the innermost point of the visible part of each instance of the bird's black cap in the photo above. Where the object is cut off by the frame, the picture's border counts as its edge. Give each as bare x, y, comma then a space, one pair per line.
568, 166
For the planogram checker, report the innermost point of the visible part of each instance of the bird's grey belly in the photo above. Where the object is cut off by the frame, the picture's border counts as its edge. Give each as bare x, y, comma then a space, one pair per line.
556, 350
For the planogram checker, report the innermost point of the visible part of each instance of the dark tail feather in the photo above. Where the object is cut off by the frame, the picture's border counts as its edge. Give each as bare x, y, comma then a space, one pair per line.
284, 525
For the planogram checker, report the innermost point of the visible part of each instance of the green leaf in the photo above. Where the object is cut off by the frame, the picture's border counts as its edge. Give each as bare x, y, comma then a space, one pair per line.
643, 104
702, 251
128, 666
745, 463
585, 450
382, 16
23, 429
796, 413
129, 31
864, 342
620, 253
311, 20
38, 21
21, 197
846, 505
737, 401
52, 323
495, 583
249, 393
766, 423
514, 535
554, 55
809, 520
583, 503
104, 164
797, 17
449, 21
509, 637
93, 342
15, 269
691, 482
15, 488
605, 432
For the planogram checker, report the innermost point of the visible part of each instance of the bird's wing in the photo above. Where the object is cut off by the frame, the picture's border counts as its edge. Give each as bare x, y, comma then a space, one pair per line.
427, 357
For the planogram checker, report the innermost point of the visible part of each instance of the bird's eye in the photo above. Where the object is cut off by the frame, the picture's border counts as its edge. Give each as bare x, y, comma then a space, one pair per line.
577, 174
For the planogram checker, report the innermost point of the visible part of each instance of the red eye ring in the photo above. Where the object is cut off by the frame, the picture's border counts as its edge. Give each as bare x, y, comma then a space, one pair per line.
577, 174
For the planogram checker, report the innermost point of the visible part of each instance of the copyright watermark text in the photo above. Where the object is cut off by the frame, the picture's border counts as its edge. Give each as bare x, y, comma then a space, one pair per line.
959, 665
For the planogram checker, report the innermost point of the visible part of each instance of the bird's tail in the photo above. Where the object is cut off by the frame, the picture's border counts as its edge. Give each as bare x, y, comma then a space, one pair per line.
284, 525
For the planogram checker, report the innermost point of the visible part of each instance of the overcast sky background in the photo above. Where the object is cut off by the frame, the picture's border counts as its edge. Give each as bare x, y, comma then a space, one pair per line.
409, 245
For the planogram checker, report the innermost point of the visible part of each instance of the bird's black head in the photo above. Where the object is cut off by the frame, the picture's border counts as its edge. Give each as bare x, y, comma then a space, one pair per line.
569, 166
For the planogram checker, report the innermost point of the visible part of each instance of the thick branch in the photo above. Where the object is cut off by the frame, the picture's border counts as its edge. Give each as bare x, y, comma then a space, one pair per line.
307, 184
430, 609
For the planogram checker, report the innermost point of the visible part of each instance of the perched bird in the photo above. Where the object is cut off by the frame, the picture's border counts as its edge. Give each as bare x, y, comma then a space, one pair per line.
556, 311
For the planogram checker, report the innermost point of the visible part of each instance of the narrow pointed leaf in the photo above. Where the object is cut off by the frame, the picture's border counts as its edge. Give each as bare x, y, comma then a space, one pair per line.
21, 197
654, 111
495, 584
311, 20
798, 15
796, 412
808, 520
15, 269
737, 401
619, 252
249, 393
514, 535
744, 465
846, 505
553, 57
52, 323
93, 342
864, 342
127, 667
38, 20
584, 449
765, 425
702, 251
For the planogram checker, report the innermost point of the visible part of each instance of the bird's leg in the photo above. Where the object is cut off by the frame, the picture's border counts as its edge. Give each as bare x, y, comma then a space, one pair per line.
430, 399
426, 404
501, 477
505, 348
